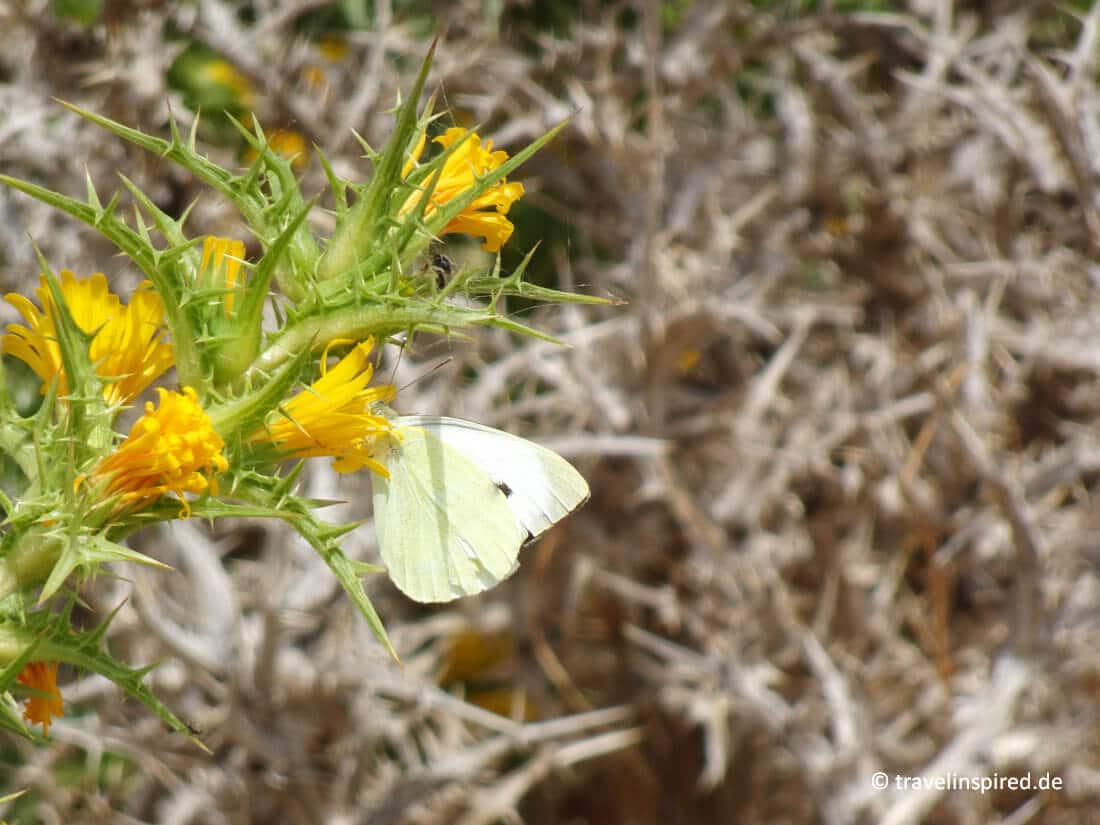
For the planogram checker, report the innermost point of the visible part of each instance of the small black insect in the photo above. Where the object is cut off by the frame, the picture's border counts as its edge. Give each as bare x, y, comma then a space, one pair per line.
441, 265
444, 268
504, 488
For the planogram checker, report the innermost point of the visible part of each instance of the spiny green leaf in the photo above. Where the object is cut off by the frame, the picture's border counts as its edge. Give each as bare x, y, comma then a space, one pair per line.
141, 252
247, 413
363, 568
257, 291
302, 248
331, 532
357, 231
349, 574
176, 150
533, 292
338, 185
506, 323
83, 387
84, 650
442, 216
169, 227
11, 719
296, 512
87, 553
115, 230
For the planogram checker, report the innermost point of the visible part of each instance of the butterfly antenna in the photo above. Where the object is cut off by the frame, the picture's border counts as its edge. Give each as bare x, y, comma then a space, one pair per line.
446, 102
419, 378
397, 363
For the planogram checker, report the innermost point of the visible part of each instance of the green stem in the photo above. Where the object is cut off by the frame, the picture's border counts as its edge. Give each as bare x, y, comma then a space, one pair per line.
28, 562
359, 323
13, 644
15, 443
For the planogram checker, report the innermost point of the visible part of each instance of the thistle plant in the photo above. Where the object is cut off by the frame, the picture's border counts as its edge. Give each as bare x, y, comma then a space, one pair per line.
227, 432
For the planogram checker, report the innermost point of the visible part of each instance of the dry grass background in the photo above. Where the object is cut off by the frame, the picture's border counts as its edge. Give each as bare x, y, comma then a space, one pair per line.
842, 440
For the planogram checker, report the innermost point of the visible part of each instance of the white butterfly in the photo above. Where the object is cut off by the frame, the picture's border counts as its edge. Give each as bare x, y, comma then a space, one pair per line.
461, 501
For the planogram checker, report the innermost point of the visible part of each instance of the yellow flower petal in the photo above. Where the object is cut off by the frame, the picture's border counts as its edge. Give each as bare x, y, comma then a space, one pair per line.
46, 703
465, 166
128, 349
172, 448
221, 266
335, 416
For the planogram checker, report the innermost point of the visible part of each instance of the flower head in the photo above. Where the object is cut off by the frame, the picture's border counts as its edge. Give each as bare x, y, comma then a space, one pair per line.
221, 266
335, 416
172, 448
464, 167
45, 702
128, 348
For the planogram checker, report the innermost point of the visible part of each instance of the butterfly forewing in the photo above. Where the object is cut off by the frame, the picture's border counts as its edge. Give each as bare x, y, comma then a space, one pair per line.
444, 529
540, 486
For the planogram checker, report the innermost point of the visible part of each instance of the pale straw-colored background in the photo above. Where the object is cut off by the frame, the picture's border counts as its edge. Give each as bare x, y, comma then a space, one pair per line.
842, 440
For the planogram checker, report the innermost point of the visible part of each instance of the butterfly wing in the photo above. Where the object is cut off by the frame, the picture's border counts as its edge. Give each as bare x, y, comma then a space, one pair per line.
539, 485
444, 528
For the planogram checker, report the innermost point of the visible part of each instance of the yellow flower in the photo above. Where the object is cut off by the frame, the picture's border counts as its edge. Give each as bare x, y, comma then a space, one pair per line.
332, 47
223, 73
172, 448
335, 416
128, 349
46, 702
221, 266
315, 79
471, 161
